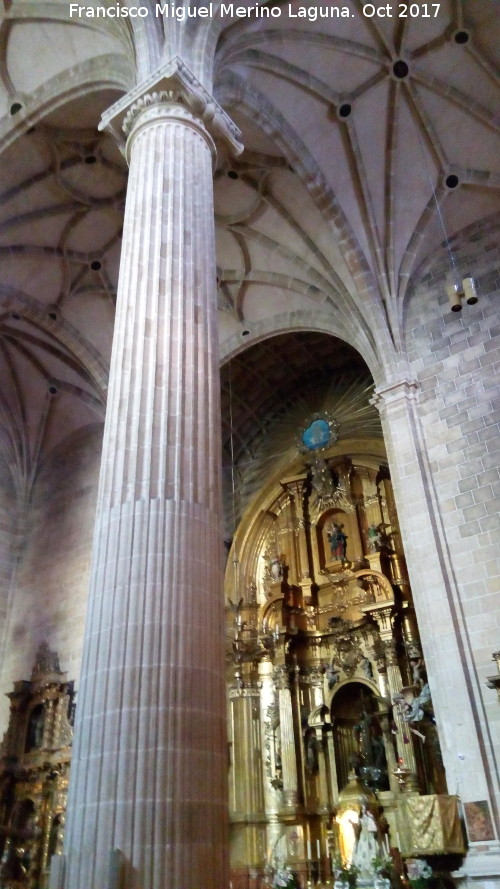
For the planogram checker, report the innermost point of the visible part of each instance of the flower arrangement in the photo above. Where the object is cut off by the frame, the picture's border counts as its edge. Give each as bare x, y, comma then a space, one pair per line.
419, 873
283, 878
383, 865
344, 873
279, 876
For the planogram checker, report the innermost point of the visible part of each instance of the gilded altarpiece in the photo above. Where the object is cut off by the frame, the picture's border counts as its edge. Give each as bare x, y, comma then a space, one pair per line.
328, 702
34, 770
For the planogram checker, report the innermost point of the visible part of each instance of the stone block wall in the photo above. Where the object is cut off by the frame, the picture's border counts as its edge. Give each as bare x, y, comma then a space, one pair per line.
456, 359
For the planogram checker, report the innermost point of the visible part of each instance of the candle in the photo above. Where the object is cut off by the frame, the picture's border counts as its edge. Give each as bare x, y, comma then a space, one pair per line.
309, 850
318, 850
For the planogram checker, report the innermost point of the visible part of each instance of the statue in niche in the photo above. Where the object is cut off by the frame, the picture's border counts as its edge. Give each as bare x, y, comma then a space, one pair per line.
36, 724
375, 586
338, 541
311, 745
275, 566
372, 765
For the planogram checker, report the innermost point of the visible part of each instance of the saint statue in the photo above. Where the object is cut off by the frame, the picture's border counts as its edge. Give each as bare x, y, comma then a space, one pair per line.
36, 724
338, 541
369, 844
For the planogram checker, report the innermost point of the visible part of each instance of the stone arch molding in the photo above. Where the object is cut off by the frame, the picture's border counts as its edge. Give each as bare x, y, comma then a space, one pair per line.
91, 359
109, 71
322, 322
53, 351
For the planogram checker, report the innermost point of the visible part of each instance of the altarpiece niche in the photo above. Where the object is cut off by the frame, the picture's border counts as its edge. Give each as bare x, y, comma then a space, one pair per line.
329, 709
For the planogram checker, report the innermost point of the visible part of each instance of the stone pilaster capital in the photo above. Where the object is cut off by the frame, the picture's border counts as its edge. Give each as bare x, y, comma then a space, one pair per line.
394, 393
171, 91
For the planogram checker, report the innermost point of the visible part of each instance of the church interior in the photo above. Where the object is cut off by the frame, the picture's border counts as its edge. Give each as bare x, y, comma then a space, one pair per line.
249, 445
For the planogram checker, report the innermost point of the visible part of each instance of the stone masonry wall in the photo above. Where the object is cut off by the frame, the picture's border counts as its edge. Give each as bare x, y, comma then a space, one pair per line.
456, 359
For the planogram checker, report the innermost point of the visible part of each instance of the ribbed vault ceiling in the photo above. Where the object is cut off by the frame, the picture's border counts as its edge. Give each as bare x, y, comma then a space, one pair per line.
356, 130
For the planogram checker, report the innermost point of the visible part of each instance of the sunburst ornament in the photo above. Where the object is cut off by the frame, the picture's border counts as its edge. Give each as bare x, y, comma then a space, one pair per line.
346, 402
319, 432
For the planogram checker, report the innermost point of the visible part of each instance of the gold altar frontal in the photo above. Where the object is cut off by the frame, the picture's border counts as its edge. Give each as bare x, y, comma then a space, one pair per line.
430, 825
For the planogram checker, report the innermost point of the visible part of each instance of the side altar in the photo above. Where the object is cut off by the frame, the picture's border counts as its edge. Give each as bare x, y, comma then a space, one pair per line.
35, 758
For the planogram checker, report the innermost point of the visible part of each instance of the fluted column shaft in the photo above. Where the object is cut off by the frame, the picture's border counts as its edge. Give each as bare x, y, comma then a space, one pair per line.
392, 682
316, 680
288, 756
300, 532
148, 775
404, 740
268, 734
246, 790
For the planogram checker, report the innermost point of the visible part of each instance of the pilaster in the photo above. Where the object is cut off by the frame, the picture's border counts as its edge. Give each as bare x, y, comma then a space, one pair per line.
435, 586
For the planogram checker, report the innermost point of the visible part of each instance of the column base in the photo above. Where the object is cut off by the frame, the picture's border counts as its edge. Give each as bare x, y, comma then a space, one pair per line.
481, 867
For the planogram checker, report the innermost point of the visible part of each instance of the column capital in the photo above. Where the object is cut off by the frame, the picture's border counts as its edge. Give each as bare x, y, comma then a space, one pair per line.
382, 615
313, 676
282, 677
394, 393
172, 85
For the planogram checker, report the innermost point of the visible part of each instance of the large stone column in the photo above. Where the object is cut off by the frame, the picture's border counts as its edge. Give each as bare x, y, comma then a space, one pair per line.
148, 775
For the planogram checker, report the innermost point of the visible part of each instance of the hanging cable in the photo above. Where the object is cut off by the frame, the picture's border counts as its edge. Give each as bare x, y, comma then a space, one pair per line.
454, 269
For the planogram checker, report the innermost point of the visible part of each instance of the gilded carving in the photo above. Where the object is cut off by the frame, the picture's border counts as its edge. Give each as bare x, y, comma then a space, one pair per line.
337, 652
34, 770
272, 746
